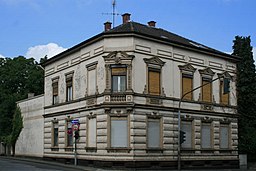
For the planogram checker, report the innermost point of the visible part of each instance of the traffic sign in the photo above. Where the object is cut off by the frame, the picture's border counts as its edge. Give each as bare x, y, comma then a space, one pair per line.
75, 121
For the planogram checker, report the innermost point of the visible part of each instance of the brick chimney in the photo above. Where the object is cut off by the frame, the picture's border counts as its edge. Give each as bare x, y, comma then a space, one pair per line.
152, 23
126, 18
107, 26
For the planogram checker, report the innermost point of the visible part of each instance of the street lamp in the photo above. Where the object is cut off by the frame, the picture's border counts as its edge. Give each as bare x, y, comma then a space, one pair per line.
226, 85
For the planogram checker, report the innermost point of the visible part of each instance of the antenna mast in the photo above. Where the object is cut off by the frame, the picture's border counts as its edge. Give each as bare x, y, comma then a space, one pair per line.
114, 11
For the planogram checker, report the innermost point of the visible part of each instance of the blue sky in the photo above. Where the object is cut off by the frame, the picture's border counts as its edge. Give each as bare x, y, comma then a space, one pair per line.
35, 28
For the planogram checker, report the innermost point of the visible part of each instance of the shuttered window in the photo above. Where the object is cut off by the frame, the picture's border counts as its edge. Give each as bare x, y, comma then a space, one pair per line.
69, 89
206, 90
206, 136
187, 86
55, 91
224, 136
224, 98
186, 126
119, 79
119, 132
154, 82
92, 132
153, 134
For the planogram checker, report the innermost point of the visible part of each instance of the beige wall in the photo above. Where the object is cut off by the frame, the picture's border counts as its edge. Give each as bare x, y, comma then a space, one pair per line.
30, 141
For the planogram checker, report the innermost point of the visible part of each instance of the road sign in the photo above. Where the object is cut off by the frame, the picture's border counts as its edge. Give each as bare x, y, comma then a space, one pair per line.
75, 121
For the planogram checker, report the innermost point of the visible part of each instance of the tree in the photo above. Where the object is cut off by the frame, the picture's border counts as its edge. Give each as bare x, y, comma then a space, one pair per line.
18, 77
246, 100
17, 125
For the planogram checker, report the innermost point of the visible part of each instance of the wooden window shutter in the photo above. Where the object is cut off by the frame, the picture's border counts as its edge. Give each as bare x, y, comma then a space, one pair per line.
55, 88
69, 81
187, 83
119, 71
207, 91
224, 98
154, 82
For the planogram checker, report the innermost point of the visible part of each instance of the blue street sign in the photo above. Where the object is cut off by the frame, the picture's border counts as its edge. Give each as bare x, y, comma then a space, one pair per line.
75, 121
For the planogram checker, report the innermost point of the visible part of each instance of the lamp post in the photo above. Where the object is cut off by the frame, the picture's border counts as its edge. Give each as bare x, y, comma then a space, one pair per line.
179, 116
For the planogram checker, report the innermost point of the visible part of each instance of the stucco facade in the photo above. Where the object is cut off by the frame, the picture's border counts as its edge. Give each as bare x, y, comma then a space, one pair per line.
124, 86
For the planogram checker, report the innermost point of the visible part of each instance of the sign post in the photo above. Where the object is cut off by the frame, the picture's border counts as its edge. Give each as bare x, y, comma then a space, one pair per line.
75, 127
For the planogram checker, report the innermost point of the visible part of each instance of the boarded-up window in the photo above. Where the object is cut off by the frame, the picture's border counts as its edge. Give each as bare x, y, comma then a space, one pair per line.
187, 86
206, 90
92, 132
119, 79
91, 82
186, 126
224, 98
153, 134
206, 136
119, 132
154, 82
224, 136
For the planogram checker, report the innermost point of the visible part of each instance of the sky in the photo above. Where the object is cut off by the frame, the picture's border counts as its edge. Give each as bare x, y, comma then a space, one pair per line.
35, 28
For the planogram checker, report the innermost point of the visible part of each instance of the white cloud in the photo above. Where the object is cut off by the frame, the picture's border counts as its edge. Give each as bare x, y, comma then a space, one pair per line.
1, 56
39, 51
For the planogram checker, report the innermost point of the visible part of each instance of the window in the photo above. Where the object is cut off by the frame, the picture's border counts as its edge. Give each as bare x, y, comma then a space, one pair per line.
186, 126
92, 132
154, 81
206, 135
69, 87
224, 98
153, 133
92, 78
69, 133
118, 78
187, 86
55, 90
206, 90
224, 136
55, 134
119, 132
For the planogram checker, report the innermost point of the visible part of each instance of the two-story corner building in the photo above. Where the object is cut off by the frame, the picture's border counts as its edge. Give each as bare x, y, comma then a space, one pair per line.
124, 86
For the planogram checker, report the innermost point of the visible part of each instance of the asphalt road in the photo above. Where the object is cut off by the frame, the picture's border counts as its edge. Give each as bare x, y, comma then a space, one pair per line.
18, 165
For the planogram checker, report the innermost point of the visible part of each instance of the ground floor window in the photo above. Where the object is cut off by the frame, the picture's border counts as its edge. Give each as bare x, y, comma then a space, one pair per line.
206, 136
119, 132
153, 133
186, 126
55, 134
69, 134
92, 132
224, 136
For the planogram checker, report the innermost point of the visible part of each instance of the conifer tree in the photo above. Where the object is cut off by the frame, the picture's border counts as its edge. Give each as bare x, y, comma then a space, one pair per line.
246, 99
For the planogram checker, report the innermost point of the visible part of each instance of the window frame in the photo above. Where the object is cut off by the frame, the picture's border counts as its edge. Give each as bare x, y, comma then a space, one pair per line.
211, 135
124, 74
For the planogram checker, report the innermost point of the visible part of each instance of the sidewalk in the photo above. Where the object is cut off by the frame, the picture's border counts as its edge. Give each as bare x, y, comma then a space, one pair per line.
87, 168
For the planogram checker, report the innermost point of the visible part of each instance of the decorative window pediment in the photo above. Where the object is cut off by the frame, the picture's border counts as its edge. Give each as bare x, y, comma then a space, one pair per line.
225, 74
118, 57
207, 71
187, 68
154, 61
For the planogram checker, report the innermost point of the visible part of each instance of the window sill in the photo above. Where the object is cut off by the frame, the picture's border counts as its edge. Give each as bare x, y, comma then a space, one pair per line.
118, 149
69, 149
154, 150
91, 149
55, 148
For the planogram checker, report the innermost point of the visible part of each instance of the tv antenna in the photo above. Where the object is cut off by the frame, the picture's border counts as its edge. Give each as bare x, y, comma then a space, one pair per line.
113, 12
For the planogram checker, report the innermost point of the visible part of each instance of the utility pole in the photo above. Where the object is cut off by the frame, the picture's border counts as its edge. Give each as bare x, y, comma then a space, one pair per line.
179, 114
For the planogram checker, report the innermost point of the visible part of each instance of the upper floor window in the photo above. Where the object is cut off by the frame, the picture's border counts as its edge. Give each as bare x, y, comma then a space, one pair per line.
224, 97
55, 90
92, 87
118, 74
69, 87
187, 72
206, 90
154, 81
